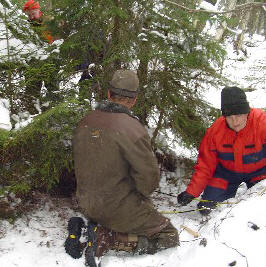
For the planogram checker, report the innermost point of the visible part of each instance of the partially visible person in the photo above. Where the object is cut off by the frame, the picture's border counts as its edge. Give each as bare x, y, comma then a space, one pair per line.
32, 9
36, 18
91, 63
232, 151
117, 171
40, 73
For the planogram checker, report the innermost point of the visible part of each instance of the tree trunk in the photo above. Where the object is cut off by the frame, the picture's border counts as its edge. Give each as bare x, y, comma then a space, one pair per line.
144, 48
196, 21
229, 4
261, 29
254, 22
9, 92
243, 26
116, 34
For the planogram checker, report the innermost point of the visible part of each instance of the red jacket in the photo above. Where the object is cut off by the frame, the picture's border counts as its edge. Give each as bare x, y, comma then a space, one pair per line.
226, 156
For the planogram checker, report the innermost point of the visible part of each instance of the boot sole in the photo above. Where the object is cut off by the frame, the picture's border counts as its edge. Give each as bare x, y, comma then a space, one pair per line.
90, 259
73, 247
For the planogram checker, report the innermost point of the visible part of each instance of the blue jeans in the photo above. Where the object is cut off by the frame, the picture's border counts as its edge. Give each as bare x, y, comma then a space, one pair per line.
218, 195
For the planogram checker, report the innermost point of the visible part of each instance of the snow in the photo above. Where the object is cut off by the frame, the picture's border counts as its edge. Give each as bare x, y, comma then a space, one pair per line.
207, 6
38, 237
22, 119
4, 115
240, 69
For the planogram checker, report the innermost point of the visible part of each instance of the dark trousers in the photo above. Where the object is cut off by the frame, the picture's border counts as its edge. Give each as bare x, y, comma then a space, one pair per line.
219, 195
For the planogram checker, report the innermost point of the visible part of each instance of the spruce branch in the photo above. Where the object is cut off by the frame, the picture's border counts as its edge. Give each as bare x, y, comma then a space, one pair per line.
236, 9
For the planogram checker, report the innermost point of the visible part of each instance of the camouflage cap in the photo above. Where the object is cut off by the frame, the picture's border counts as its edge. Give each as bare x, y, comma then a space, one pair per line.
125, 83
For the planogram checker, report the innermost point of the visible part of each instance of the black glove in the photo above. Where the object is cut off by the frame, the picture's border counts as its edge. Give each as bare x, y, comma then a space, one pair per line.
184, 198
73, 246
205, 208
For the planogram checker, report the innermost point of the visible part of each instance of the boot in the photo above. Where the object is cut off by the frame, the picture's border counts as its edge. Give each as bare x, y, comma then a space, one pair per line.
167, 238
146, 246
156, 243
101, 240
125, 242
72, 244
90, 252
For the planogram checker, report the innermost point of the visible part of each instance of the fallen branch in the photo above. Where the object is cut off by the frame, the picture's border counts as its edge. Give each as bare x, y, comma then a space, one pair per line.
262, 191
163, 193
192, 232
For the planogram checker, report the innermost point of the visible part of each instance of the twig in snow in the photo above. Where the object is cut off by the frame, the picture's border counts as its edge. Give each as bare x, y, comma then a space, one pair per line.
196, 239
215, 230
237, 252
163, 193
192, 232
262, 191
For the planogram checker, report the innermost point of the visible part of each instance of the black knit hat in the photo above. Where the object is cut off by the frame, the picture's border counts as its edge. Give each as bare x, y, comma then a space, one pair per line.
234, 101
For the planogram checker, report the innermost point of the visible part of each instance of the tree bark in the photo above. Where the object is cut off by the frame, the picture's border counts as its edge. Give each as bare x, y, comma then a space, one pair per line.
243, 27
116, 34
196, 21
230, 4
9, 74
144, 48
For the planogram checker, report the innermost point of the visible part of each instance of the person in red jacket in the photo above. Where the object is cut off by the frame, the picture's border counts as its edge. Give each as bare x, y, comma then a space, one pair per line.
32, 9
232, 151
36, 18
40, 72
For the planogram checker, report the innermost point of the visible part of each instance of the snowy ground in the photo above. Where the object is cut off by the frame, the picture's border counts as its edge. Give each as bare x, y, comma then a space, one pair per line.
227, 237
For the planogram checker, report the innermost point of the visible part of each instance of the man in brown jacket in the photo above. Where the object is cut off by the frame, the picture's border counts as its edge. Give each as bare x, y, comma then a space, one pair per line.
117, 171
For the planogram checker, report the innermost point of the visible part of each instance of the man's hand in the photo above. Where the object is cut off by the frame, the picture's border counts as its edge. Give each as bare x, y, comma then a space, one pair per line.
184, 198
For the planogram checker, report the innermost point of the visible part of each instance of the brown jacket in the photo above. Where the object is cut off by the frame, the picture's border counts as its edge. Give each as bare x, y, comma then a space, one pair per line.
115, 168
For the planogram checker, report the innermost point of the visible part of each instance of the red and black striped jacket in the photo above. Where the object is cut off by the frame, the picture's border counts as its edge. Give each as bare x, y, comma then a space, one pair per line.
226, 156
